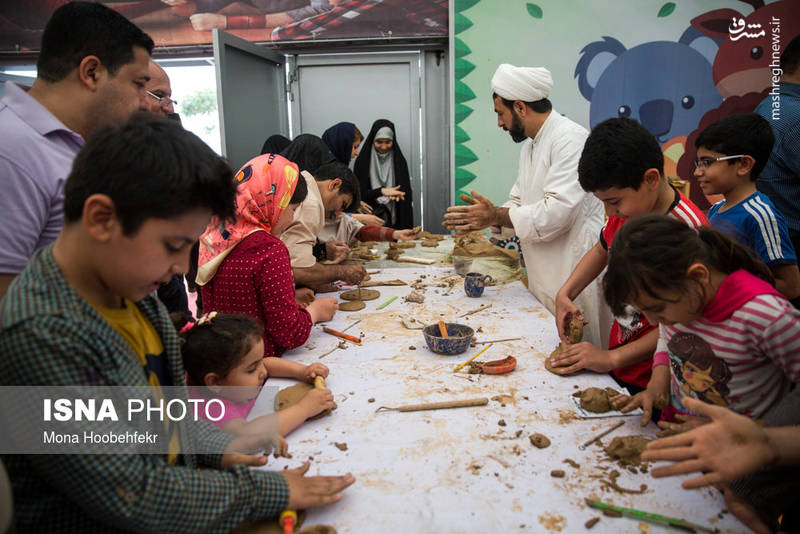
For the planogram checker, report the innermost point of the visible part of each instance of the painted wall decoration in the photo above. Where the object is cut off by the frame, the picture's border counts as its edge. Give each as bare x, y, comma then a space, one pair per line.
675, 67
186, 22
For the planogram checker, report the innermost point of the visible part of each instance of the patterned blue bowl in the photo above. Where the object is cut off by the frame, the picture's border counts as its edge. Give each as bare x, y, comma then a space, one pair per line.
460, 336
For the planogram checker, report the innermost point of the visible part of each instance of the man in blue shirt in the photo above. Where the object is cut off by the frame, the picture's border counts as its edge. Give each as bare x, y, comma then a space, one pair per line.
780, 179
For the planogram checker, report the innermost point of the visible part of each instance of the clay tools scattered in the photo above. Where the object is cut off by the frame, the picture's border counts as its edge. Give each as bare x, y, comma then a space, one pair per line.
443, 329
600, 435
476, 310
341, 335
351, 326
483, 401
288, 520
472, 358
648, 516
382, 306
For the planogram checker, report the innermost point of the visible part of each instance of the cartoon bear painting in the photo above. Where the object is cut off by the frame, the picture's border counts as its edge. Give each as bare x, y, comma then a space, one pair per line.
667, 86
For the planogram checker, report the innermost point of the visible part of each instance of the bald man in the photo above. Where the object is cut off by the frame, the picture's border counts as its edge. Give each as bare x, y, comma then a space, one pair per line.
159, 92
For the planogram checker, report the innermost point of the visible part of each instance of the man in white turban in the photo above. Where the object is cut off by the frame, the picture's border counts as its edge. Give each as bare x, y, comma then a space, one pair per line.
555, 220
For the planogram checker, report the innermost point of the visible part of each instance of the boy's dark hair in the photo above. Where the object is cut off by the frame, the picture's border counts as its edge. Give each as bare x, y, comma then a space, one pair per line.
217, 345
150, 167
744, 133
81, 29
651, 254
331, 171
617, 153
790, 57
300, 191
539, 106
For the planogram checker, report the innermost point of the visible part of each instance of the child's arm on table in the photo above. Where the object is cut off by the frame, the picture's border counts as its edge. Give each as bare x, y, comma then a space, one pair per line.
589, 268
656, 394
280, 368
587, 356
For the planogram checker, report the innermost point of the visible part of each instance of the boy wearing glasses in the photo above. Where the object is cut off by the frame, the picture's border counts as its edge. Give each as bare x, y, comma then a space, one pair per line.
731, 153
622, 165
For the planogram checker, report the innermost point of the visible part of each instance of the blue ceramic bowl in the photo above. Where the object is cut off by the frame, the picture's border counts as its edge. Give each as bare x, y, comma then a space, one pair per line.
460, 336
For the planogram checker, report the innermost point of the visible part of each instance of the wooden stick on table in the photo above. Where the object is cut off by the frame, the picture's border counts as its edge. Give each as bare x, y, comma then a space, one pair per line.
412, 259
600, 435
483, 401
476, 310
443, 329
342, 335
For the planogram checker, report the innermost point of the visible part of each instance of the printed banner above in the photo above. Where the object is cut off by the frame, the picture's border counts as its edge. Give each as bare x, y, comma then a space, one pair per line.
188, 22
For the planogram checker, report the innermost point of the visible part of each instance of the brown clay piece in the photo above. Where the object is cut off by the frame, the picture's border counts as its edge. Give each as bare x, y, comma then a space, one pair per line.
540, 441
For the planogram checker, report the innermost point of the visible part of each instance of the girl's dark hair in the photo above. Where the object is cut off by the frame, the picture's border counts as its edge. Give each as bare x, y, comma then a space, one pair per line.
216, 345
651, 254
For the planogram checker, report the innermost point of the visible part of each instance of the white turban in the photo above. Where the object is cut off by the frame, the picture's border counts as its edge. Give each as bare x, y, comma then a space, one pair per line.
528, 84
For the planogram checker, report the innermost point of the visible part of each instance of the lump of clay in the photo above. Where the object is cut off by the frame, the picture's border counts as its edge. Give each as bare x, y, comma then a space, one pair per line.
402, 245
627, 450
416, 296
363, 294
594, 400
293, 394
574, 335
540, 441
430, 243
393, 253
352, 305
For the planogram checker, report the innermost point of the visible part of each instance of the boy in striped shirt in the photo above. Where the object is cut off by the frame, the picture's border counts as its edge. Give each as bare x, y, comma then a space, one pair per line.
731, 153
622, 165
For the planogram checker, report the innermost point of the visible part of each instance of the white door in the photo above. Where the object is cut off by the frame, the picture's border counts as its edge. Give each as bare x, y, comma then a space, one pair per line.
362, 88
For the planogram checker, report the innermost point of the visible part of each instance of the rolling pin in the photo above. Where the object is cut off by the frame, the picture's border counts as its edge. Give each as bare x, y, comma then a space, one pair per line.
483, 401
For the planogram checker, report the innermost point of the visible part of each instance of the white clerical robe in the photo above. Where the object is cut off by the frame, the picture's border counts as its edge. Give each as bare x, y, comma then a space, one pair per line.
556, 221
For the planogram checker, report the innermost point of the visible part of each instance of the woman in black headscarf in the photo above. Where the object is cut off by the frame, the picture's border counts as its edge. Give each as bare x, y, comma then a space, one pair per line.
343, 139
383, 176
309, 152
274, 144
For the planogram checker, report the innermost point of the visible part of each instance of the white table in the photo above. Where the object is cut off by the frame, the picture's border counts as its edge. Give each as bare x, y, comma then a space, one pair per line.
415, 471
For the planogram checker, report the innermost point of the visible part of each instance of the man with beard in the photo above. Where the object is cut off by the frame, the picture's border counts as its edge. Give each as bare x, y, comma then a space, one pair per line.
555, 220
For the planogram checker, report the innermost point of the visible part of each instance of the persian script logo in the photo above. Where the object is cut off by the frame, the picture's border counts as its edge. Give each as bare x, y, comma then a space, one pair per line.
736, 30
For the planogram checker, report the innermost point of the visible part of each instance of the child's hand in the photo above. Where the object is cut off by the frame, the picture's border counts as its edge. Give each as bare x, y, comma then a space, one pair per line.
336, 251
583, 356
307, 492
322, 309
690, 422
303, 296
565, 310
644, 400
317, 401
729, 447
314, 370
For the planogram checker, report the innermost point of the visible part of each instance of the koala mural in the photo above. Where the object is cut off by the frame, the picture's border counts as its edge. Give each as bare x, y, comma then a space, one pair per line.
667, 86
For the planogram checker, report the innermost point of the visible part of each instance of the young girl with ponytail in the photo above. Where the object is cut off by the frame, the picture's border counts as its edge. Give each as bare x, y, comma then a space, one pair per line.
726, 336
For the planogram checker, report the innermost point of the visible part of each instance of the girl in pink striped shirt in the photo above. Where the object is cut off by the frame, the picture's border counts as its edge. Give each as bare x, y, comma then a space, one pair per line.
726, 336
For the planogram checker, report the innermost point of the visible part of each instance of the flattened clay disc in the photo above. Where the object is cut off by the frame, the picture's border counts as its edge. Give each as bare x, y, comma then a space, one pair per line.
352, 305
293, 394
366, 294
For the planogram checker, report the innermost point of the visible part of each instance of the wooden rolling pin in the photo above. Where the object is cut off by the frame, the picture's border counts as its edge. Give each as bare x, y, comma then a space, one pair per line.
412, 259
483, 401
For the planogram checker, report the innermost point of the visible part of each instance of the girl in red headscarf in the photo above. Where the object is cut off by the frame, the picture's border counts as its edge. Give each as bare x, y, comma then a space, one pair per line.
245, 268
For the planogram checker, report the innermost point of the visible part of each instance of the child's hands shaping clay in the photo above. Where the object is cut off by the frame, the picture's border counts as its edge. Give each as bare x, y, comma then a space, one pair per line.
316, 401
314, 370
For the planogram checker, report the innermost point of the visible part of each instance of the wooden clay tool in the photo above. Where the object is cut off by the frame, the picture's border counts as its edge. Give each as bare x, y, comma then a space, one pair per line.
483, 401
443, 329
600, 435
342, 335
472, 358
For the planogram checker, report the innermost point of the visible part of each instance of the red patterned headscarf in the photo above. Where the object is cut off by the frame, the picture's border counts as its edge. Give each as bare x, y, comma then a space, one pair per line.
266, 183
